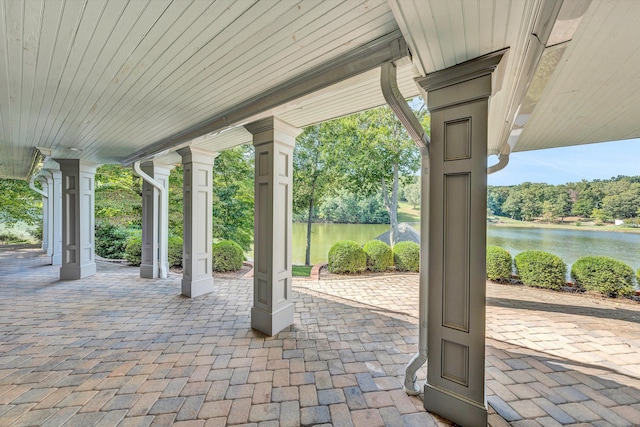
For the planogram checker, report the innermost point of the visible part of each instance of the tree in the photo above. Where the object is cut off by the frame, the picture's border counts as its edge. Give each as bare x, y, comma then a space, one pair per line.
117, 196
18, 203
233, 196
375, 153
313, 171
413, 194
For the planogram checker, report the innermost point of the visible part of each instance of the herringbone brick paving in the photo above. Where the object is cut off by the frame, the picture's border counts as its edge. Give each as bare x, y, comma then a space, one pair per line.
114, 349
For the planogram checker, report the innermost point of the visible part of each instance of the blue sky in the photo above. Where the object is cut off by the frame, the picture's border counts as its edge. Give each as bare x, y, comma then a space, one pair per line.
571, 164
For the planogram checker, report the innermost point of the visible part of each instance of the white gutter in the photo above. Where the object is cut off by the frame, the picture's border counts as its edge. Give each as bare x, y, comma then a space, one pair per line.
162, 227
402, 110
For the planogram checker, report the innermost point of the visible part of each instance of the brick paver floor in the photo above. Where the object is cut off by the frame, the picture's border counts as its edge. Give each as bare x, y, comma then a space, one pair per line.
114, 349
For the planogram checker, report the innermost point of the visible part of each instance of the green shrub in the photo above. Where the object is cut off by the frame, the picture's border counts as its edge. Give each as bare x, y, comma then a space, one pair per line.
406, 256
379, 255
227, 256
604, 275
111, 240
638, 276
499, 264
347, 256
7, 238
541, 269
175, 252
133, 250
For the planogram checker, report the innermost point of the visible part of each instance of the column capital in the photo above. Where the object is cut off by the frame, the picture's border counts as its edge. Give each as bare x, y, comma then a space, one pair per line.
197, 155
464, 81
272, 129
157, 164
77, 163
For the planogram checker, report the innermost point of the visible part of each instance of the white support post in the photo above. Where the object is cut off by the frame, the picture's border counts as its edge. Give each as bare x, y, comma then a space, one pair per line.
78, 219
197, 209
55, 205
274, 141
458, 100
155, 213
47, 216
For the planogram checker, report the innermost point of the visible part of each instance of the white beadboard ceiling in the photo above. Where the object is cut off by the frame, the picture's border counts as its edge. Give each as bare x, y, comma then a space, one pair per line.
103, 80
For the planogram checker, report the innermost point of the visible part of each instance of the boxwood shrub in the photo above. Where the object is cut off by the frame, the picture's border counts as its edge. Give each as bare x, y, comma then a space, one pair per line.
175, 251
499, 264
604, 275
541, 269
347, 257
111, 240
406, 256
133, 250
227, 256
379, 255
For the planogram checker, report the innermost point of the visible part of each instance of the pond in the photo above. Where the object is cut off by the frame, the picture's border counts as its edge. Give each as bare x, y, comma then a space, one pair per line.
567, 244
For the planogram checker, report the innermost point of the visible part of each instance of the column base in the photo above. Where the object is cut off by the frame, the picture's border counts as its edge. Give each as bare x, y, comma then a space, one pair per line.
56, 259
271, 323
454, 407
148, 271
76, 273
192, 289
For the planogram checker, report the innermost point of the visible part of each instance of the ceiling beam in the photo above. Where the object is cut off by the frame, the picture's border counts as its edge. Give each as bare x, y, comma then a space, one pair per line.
391, 47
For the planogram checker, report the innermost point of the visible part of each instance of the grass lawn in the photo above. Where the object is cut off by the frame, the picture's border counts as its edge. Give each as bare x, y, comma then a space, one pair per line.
301, 270
406, 213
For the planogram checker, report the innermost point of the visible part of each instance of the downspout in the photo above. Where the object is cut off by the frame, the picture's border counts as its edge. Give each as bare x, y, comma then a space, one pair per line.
404, 113
503, 160
32, 185
161, 225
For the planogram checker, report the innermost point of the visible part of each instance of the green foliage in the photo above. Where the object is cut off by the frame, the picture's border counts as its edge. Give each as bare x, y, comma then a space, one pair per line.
412, 193
227, 256
118, 195
347, 257
638, 275
19, 203
133, 250
604, 275
349, 208
499, 264
110, 240
541, 269
9, 238
603, 200
233, 196
175, 251
406, 256
379, 255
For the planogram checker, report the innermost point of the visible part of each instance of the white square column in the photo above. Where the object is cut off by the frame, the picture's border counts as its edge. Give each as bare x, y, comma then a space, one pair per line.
197, 210
274, 141
47, 217
458, 99
78, 219
55, 206
155, 211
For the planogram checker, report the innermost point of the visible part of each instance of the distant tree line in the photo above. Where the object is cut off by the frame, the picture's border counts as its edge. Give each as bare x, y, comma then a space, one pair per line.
601, 200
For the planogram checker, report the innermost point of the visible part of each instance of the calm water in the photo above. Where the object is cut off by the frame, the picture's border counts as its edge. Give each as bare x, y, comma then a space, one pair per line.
567, 244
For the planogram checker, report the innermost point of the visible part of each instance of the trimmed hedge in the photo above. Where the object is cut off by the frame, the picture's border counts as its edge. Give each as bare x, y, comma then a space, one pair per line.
227, 256
499, 264
346, 257
175, 252
379, 255
133, 251
406, 256
604, 275
111, 240
541, 269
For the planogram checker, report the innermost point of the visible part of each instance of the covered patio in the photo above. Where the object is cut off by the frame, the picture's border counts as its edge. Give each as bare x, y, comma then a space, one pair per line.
137, 353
